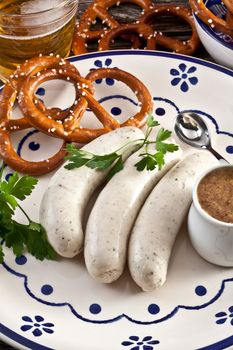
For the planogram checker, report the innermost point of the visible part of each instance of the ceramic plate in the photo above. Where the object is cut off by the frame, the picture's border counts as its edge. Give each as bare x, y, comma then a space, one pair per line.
55, 304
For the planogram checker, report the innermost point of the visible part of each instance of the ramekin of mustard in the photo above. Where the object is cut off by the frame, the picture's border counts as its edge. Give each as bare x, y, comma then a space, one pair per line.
210, 219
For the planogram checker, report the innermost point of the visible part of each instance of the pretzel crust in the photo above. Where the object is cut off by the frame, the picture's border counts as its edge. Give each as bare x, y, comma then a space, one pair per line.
52, 127
7, 124
142, 27
84, 135
186, 47
99, 9
211, 20
32, 67
12, 159
54, 121
138, 88
7, 151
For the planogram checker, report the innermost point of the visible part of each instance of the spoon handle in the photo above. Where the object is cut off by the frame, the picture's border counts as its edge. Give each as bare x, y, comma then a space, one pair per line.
217, 155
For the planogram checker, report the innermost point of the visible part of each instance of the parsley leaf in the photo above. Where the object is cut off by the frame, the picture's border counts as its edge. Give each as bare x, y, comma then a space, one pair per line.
37, 243
151, 122
75, 162
80, 157
102, 162
159, 157
18, 236
15, 239
163, 135
24, 187
118, 166
142, 164
17, 187
77, 157
171, 147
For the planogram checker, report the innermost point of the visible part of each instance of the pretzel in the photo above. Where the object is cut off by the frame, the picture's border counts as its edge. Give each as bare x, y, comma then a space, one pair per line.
186, 47
57, 128
8, 124
7, 151
12, 159
9, 94
138, 88
83, 135
99, 9
142, 30
58, 124
213, 21
36, 66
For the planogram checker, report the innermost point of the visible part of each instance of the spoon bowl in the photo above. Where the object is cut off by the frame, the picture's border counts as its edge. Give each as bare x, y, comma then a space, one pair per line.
191, 129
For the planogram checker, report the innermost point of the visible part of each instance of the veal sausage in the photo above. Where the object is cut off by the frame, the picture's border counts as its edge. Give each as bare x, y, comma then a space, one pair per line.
64, 202
117, 205
160, 219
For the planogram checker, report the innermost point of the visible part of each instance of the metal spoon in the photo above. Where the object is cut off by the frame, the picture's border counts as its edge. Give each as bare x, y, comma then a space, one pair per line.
191, 129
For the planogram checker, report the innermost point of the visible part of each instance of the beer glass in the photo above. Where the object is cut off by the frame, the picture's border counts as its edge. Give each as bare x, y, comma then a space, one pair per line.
32, 27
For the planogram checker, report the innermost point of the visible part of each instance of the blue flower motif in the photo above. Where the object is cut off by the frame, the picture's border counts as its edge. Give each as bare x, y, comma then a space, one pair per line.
182, 77
40, 91
99, 64
36, 325
222, 316
145, 344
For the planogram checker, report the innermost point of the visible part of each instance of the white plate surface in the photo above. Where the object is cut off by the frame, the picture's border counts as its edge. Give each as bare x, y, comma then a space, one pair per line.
55, 304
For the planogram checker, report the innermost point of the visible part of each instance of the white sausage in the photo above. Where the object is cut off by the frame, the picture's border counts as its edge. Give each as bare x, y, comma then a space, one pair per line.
160, 219
64, 202
113, 215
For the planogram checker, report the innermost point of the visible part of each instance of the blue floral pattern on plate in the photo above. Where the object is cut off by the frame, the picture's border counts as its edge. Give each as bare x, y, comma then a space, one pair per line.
223, 316
100, 64
37, 325
183, 76
147, 343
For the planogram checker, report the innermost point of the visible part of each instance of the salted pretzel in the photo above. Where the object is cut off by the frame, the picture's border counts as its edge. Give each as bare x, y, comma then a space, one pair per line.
144, 31
186, 47
57, 128
35, 66
8, 124
7, 151
99, 9
83, 135
138, 88
209, 18
35, 114
9, 94
133, 31
17, 163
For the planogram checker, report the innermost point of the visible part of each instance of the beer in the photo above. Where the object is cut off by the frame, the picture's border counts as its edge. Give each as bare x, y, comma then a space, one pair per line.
31, 27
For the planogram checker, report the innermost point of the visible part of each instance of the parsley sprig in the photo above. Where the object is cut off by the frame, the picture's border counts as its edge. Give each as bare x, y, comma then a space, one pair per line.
16, 235
149, 161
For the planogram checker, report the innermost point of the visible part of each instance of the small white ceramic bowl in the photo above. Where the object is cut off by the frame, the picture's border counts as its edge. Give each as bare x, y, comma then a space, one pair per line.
217, 45
211, 238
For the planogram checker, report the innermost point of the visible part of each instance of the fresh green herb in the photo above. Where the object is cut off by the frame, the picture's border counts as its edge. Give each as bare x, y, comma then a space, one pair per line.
16, 235
79, 157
